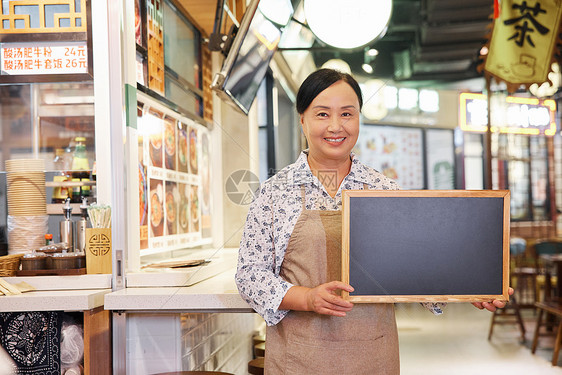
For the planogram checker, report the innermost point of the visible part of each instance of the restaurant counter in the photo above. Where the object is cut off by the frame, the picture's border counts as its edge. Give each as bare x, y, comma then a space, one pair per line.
83, 294
58, 293
216, 294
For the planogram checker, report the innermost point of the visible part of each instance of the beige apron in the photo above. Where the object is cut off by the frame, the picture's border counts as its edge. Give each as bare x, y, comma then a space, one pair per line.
363, 342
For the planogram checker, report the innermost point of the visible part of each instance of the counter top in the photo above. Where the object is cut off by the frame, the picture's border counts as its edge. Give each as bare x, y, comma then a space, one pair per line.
217, 294
54, 300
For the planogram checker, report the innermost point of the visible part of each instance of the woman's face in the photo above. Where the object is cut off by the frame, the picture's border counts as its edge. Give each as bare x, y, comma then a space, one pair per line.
331, 122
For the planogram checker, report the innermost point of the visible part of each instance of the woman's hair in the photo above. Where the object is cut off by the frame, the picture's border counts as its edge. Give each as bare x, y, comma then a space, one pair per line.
319, 81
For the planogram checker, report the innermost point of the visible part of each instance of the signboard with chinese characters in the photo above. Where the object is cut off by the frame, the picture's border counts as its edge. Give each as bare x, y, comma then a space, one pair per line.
513, 114
523, 42
43, 58
45, 40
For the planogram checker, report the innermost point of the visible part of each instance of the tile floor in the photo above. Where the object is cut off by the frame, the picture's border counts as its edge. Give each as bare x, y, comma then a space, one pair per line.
455, 343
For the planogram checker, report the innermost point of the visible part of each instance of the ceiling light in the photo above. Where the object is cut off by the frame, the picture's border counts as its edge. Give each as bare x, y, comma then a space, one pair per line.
371, 52
367, 68
374, 107
350, 25
337, 64
277, 11
548, 89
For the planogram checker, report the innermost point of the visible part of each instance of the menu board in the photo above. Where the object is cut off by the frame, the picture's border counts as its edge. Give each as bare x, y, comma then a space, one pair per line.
174, 179
394, 151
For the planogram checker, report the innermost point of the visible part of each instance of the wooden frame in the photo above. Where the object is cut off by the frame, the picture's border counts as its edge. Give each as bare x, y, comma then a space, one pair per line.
52, 35
492, 216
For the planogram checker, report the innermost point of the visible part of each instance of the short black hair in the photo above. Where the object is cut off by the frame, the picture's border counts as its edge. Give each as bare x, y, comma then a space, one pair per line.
319, 81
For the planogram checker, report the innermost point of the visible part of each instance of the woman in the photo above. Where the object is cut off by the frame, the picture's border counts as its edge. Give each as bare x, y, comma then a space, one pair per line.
290, 252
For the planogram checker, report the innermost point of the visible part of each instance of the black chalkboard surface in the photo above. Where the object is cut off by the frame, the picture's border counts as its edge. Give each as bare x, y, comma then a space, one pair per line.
426, 245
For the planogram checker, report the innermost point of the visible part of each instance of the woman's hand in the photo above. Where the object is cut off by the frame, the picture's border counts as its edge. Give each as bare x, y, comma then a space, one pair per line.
321, 299
324, 300
493, 305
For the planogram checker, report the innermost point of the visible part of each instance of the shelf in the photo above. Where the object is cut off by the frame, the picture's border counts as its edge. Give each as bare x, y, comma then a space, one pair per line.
56, 208
69, 183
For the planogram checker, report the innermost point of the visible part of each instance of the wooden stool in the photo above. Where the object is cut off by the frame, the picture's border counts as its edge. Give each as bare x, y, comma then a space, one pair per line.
259, 349
510, 314
195, 373
255, 366
554, 308
258, 339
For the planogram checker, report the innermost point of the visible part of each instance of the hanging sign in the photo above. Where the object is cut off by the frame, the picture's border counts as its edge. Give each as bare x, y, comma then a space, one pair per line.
43, 58
524, 41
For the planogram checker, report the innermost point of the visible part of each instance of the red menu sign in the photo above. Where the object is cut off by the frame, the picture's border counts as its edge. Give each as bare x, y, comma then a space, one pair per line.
43, 58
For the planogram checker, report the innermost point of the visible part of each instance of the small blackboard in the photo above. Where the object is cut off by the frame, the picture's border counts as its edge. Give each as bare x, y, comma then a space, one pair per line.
426, 245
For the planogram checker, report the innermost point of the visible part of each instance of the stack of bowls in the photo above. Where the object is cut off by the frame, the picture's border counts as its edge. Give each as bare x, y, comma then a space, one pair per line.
27, 206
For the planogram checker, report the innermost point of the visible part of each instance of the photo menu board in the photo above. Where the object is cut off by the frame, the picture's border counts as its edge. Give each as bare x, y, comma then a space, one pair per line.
396, 152
174, 181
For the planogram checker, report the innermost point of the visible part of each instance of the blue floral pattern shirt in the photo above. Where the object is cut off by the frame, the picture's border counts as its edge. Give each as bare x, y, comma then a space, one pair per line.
270, 222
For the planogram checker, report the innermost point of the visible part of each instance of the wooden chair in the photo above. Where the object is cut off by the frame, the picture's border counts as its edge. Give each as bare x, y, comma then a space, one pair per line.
545, 281
259, 349
510, 314
256, 366
523, 273
554, 308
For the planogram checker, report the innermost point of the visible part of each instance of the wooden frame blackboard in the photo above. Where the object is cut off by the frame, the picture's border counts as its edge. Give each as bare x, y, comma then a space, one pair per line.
425, 245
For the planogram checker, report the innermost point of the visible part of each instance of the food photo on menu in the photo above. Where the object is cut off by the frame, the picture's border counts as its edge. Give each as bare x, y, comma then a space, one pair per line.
184, 208
194, 209
155, 140
171, 208
156, 208
143, 201
205, 172
182, 149
170, 143
193, 167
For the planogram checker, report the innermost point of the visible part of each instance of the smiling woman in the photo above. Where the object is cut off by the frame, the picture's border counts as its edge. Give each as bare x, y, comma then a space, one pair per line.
292, 244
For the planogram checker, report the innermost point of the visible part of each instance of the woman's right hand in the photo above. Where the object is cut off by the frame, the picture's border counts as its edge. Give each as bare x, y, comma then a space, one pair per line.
324, 300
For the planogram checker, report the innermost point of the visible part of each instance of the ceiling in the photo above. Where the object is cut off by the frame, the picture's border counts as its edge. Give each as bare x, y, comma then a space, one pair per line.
427, 41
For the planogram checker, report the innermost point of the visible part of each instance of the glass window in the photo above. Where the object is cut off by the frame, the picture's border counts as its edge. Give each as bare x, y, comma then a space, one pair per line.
182, 50
43, 120
473, 161
182, 59
520, 164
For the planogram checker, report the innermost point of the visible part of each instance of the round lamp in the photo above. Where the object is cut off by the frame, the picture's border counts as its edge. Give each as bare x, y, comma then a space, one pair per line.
348, 24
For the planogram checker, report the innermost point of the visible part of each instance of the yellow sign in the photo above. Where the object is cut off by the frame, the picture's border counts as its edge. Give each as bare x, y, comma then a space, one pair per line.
513, 114
523, 41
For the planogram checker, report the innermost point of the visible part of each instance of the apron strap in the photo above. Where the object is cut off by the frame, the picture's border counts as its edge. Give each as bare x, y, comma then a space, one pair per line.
303, 197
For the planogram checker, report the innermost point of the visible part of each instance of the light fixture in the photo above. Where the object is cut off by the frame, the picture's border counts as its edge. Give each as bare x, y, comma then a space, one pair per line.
548, 89
337, 64
367, 68
277, 11
368, 57
350, 24
374, 107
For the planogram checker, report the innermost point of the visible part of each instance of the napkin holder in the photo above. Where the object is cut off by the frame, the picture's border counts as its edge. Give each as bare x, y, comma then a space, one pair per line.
98, 250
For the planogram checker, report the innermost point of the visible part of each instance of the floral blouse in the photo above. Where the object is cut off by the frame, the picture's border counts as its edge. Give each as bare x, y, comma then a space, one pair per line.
270, 222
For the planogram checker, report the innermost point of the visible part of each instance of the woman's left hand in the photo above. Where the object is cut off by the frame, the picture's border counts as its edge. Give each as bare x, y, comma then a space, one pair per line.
493, 305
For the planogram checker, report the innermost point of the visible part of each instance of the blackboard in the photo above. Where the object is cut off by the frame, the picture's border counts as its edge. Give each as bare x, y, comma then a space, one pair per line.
426, 245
